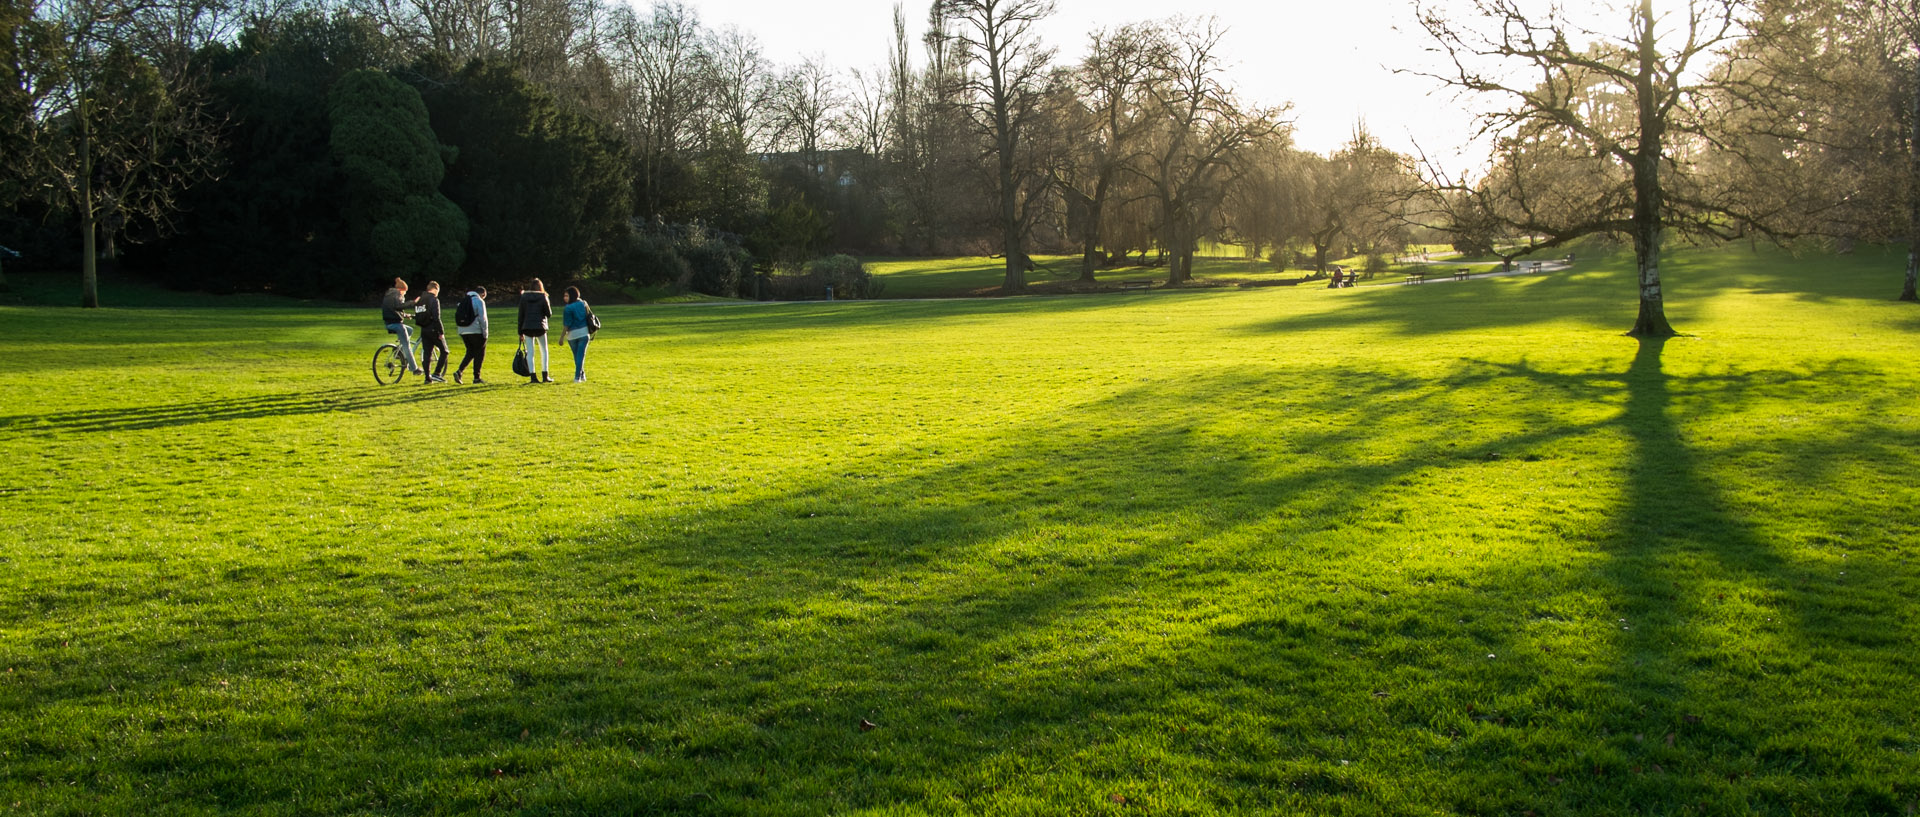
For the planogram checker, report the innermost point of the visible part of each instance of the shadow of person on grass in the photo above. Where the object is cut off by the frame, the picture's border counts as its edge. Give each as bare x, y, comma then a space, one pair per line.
282, 404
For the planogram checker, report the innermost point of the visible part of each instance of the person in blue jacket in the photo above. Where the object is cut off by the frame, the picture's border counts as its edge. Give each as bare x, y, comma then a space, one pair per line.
574, 317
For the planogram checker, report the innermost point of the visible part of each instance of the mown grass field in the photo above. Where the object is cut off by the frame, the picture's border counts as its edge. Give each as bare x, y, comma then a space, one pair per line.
1447, 549
972, 275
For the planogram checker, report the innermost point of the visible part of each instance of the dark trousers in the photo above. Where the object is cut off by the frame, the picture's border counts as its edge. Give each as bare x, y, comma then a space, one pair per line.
430, 342
476, 353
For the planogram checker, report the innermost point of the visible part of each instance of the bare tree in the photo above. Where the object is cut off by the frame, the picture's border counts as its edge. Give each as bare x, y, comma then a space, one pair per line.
1631, 103
1102, 107
1191, 164
807, 103
108, 134
1000, 94
742, 87
867, 111
657, 64
1902, 21
1350, 199
1832, 89
929, 144
544, 39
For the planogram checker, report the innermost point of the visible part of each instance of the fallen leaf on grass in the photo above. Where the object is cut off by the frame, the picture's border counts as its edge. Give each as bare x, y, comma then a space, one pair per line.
1117, 798
867, 725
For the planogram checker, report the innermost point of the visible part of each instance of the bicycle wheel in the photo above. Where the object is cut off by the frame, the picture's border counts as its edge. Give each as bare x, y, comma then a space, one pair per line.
387, 366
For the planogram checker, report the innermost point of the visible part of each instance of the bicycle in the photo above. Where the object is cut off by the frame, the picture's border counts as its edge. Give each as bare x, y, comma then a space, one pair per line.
388, 367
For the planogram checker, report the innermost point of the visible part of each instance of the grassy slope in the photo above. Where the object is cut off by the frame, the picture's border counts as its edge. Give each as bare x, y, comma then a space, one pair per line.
1446, 549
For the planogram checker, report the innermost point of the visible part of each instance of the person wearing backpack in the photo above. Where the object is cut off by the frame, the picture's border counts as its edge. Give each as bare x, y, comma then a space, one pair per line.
470, 320
535, 309
577, 317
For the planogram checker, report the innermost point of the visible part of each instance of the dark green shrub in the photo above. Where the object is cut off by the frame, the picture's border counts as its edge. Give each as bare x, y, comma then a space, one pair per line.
717, 267
648, 259
849, 280
845, 274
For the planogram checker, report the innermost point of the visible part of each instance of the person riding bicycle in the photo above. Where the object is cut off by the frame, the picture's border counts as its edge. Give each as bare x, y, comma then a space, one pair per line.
393, 313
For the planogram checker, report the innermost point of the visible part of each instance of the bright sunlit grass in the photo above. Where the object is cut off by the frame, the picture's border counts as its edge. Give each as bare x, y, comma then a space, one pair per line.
1448, 549
975, 275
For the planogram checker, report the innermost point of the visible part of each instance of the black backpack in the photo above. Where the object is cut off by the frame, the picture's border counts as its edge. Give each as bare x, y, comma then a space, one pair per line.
463, 315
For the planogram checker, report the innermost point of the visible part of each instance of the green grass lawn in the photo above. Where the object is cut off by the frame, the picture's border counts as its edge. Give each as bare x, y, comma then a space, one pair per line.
976, 275
1449, 549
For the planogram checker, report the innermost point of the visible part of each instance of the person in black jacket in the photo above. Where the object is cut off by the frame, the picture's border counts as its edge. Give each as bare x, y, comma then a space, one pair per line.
535, 309
433, 334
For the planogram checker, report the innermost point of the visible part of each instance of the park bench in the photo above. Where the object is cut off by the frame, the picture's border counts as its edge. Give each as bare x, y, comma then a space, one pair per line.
1417, 278
1462, 273
1143, 283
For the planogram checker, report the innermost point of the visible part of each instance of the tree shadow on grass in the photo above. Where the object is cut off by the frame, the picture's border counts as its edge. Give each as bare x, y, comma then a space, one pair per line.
171, 415
1150, 600
1477, 305
1680, 659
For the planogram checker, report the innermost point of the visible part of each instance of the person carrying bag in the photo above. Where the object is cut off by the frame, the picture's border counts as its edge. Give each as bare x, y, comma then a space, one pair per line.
581, 323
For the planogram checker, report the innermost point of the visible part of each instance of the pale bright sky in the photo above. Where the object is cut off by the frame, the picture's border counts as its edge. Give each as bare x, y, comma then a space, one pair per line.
1332, 59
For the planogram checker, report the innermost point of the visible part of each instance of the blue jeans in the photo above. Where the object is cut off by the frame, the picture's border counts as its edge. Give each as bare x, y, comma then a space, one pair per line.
579, 357
405, 334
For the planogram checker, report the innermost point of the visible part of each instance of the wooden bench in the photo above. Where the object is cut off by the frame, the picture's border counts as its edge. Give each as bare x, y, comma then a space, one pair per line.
1417, 278
1462, 273
1144, 283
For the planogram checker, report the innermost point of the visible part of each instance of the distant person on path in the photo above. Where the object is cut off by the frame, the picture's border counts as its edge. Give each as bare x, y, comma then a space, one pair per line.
473, 333
433, 333
393, 314
574, 317
535, 309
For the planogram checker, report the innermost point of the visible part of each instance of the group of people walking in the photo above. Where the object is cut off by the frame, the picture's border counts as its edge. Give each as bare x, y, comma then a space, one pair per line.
470, 322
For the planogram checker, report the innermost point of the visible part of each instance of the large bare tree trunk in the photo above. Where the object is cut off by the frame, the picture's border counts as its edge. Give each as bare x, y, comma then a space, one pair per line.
1016, 280
1652, 322
1907, 292
89, 276
1090, 244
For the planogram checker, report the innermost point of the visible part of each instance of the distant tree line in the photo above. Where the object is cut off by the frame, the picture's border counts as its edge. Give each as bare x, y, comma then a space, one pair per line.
321, 147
